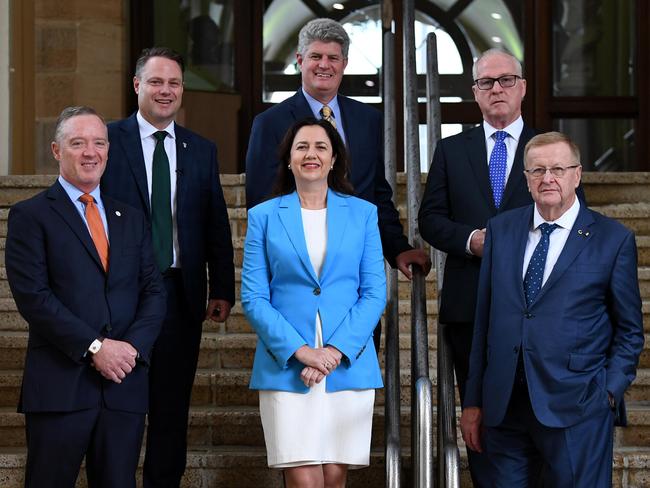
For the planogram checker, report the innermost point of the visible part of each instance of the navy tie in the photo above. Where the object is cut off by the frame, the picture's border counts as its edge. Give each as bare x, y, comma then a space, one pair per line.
535, 271
498, 164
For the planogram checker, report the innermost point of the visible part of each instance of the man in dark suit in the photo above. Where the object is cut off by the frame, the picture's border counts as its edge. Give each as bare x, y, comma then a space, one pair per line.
558, 331
81, 270
173, 176
459, 199
322, 56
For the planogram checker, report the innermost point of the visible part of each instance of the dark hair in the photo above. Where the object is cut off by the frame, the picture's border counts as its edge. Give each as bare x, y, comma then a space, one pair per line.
158, 52
69, 112
336, 179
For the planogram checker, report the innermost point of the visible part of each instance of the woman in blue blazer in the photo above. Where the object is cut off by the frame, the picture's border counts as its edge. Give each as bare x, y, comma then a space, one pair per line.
313, 288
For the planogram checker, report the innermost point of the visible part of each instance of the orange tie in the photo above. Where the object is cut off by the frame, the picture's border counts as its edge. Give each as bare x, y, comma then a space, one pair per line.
96, 228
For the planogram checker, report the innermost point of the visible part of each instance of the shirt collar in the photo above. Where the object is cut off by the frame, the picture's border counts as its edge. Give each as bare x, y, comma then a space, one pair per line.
315, 105
566, 220
147, 130
514, 129
74, 193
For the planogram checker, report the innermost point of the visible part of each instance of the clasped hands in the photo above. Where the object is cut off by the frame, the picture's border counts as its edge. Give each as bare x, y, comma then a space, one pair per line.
319, 362
115, 359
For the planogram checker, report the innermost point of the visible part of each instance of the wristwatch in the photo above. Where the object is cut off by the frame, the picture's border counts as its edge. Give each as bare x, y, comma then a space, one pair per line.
96, 345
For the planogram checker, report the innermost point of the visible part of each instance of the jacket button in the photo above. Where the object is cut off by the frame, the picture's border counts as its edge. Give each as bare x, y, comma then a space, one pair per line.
316, 291
529, 315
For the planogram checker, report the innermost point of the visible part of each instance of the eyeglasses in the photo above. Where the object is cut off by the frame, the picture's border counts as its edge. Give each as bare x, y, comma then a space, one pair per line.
557, 171
506, 81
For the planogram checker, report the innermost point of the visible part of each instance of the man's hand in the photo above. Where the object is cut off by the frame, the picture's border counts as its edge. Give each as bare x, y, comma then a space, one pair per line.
218, 310
115, 359
413, 256
476, 242
470, 426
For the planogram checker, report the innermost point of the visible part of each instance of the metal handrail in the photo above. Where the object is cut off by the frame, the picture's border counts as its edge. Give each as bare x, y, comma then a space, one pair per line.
393, 454
421, 425
448, 453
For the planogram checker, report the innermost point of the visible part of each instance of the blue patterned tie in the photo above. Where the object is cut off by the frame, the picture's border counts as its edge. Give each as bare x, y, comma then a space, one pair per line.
498, 165
535, 271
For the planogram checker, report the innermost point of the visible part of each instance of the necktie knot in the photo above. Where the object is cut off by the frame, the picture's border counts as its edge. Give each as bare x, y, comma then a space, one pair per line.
160, 135
328, 115
86, 198
547, 228
500, 135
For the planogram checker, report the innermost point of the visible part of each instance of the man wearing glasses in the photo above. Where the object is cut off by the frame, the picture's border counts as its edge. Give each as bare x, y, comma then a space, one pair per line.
558, 331
474, 176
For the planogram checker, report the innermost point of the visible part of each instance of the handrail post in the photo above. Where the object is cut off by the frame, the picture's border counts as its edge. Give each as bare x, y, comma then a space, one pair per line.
448, 454
393, 455
422, 453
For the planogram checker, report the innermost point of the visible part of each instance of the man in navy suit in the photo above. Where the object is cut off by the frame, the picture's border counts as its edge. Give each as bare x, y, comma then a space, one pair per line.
322, 56
172, 174
94, 312
558, 331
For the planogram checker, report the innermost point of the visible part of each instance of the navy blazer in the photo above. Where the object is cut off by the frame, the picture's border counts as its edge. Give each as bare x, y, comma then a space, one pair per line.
67, 299
204, 236
458, 199
364, 139
580, 338
281, 292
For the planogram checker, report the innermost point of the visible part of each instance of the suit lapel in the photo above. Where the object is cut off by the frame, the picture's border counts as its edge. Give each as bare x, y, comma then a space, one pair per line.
520, 240
337, 220
299, 107
516, 178
183, 157
579, 237
291, 218
133, 151
115, 231
61, 204
477, 155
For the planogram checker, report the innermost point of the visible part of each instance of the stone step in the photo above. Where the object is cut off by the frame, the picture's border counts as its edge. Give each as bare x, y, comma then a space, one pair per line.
243, 467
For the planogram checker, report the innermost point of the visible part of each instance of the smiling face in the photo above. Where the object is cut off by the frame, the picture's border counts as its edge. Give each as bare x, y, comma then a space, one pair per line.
553, 195
160, 91
322, 66
499, 106
311, 157
82, 151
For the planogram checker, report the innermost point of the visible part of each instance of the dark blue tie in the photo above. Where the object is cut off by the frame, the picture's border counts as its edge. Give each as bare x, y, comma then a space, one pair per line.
535, 271
498, 164
161, 207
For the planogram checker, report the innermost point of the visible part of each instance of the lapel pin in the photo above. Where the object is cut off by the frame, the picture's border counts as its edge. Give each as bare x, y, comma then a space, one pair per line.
118, 213
185, 145
580, 231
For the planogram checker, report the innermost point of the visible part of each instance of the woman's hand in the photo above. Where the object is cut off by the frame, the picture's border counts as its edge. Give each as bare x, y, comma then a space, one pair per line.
325, 359
311, 376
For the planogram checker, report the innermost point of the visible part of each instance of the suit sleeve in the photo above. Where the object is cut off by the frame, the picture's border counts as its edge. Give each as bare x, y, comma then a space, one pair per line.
152, 302
276, 333
352, 334
27, 272
625, 313
435, 218
478, 358
261, 161
219, 251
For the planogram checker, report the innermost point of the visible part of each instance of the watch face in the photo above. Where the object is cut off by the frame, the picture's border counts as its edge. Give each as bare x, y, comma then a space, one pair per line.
95, 346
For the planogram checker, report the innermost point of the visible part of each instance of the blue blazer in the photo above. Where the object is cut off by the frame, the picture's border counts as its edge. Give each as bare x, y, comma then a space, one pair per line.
204, 235
62, 291
281, 292
364, 139
581, 337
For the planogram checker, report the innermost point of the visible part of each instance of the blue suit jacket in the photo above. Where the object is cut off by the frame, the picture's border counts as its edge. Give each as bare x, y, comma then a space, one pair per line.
581, 337
68, 301
364, 138
201, 215
281, 292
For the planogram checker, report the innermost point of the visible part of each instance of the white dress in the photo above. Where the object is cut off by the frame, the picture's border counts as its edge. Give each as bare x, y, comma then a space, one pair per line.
317, 427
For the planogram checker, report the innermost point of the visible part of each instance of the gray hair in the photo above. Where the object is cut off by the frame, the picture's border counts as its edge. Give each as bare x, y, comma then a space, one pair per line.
492, 52
324, 30
69, 112
548, 138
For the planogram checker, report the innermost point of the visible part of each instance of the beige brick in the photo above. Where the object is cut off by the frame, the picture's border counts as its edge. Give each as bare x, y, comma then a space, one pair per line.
54, 9
54, 92
56, 47
103, 91
108, 10
100, 48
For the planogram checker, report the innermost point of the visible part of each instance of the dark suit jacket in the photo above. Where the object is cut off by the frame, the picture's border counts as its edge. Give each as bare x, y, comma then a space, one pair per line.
580, 338
201, 214
364, 137
68, 301
458, 199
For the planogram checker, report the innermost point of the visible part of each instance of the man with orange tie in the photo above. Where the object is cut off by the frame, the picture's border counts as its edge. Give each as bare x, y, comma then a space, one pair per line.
81, 270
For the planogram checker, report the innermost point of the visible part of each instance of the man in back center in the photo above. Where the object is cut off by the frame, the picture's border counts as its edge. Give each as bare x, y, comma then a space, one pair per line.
322, 56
